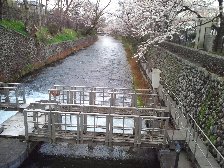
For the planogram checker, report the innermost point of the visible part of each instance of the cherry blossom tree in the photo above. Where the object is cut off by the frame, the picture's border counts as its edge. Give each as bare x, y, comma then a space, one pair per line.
153, 21
83, 14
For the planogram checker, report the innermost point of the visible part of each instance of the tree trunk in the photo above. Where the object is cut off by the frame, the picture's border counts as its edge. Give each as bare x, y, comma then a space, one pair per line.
219, 37
220, 30
1, 9
26, 13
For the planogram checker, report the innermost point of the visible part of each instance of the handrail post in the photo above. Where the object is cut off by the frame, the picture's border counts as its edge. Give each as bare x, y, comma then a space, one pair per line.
81, 125
49, 126
110, 130
107, 130
195, 147
24, 94
134, 100
136, 121
68, 96
17, 99
26, 125
52, 126
78, 128
165, 132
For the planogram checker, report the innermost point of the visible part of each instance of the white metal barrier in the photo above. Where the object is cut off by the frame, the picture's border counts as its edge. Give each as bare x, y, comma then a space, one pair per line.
54, 122
12, 94
194, 133
103, 96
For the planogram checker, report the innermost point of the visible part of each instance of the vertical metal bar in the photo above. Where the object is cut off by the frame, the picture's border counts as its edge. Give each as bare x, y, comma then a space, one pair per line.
7, 100
107, 129
111, 130
123, 126
190, 134
154, 99
136, 131
49, 125
165, 132
65, 124
123, 99
63, 94
83, 100
195, 147
34, 119
103, 96
94, 125
187, 128
111, 99
85, 120
67, 96
91, 98
74, 96
37, 123
81, 124
78, 129
24, 96
140, 130
53, 126
94, 96
80, 97
17, 100
134, 100
26, 125
153, 127
71, 96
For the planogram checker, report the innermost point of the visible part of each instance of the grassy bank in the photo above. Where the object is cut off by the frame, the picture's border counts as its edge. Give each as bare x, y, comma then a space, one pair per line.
139, 82
15, 25
44, 36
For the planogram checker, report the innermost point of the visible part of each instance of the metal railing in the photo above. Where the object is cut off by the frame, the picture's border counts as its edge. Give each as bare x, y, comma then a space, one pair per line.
103, 96
12, 94
193, 131
78, 123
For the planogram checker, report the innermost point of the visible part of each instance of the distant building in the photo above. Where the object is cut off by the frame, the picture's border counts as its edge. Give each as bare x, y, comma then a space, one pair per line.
205, 35
34, 6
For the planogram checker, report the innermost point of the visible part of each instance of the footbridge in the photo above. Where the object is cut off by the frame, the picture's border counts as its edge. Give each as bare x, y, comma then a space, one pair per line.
94, 115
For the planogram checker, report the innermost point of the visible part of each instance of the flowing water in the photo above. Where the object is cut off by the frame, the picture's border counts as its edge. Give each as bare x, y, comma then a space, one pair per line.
103, 64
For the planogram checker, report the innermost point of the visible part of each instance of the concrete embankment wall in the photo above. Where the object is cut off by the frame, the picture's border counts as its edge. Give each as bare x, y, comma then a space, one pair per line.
195, 77
20, 55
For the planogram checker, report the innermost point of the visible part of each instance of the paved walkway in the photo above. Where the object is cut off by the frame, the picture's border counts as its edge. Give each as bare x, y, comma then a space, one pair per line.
200, 149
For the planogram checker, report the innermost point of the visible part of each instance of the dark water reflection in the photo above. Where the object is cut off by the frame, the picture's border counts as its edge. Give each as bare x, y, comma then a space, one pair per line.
59, 156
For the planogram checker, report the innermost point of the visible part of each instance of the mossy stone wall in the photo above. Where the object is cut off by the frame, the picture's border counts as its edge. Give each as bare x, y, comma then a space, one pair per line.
200, 90
20, 55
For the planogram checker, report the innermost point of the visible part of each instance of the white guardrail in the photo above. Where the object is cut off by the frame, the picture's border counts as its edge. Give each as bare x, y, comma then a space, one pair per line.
193, 132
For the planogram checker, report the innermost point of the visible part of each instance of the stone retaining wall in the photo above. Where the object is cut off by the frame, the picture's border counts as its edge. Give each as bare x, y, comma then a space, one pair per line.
213, 63
20, 55
200, 91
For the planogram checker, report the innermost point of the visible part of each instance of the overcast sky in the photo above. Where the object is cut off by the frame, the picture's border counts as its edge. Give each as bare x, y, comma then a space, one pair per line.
111, 8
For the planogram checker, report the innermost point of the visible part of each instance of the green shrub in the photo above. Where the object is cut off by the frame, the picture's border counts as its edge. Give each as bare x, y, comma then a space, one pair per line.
53, 29
15, 25
43, 35
65, 35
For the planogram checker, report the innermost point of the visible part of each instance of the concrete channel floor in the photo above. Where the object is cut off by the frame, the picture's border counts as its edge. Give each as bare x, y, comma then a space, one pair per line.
184, 162
12, 152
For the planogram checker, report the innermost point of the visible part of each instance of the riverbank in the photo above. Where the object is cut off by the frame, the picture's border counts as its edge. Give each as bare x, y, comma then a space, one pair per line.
21, 55
139, 81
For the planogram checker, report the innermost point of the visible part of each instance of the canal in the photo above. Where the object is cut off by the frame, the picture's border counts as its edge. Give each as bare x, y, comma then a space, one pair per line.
103, 64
